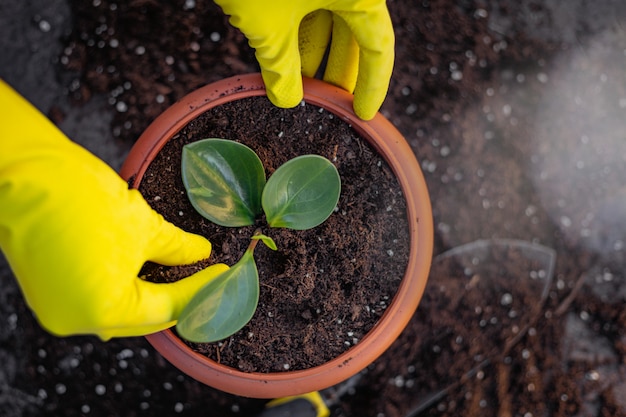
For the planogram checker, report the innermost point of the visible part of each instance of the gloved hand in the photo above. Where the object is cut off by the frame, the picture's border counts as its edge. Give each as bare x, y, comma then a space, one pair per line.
76, 236
290, 38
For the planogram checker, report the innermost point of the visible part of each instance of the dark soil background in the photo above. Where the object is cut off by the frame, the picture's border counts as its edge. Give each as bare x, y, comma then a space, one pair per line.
515, 110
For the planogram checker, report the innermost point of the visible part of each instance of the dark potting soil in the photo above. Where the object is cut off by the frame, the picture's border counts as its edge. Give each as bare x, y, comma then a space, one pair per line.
324, 288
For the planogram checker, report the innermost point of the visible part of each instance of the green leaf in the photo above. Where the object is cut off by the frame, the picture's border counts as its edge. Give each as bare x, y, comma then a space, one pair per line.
269, 242
224, 305
302, 193
224, 181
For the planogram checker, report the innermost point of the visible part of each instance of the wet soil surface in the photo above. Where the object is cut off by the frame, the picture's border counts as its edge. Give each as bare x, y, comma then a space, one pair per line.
515, 111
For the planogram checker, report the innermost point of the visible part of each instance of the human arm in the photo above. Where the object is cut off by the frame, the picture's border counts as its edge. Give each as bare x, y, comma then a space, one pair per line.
76, 237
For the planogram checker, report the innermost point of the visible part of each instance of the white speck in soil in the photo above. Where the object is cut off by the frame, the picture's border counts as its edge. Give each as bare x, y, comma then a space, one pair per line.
101, 29
500, 46
542, 77
44, 26
506, 299
12, 320
566, 221
593, 375
117, 91
121, 107
429, 166
398, 381
480, 13
125, 354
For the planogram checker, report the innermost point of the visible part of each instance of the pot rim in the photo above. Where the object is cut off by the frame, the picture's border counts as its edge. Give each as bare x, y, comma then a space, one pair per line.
386, 139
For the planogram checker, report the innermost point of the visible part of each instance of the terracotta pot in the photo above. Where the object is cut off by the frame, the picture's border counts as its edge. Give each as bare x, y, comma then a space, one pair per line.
381, 134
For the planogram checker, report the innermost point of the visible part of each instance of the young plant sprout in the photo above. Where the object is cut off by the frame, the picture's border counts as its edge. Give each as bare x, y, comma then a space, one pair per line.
225, 182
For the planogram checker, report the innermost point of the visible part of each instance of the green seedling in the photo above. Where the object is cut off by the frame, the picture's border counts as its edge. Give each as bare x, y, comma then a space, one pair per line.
225, 182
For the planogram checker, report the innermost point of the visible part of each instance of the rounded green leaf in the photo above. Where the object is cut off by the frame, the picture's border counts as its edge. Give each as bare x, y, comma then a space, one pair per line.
223, 306
302, 193
224, 181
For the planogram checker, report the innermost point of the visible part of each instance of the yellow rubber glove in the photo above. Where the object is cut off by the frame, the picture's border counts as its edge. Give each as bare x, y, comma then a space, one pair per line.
291, 36
76, 236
